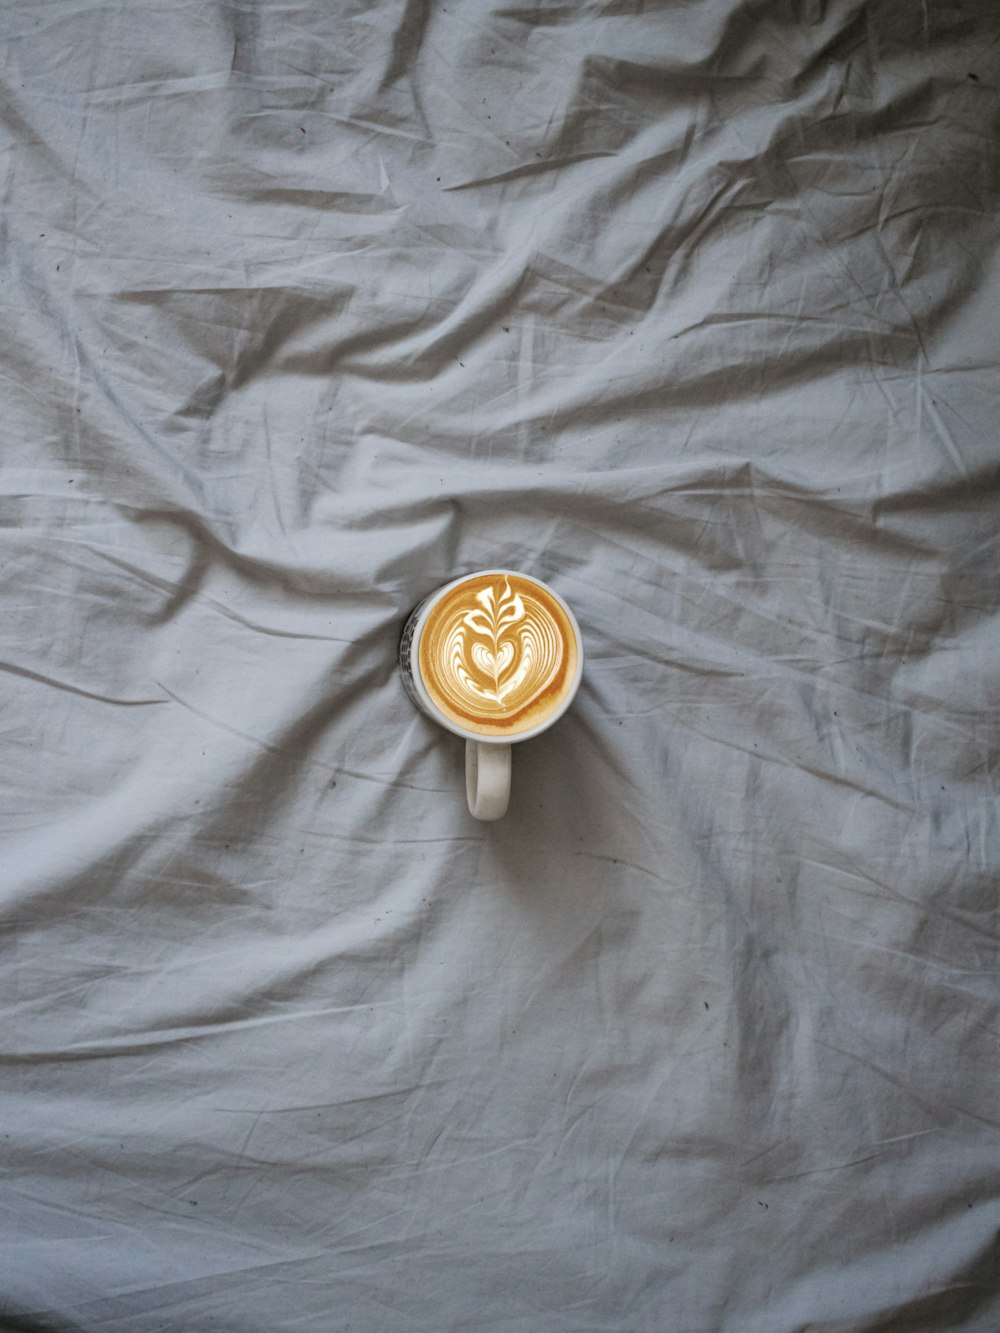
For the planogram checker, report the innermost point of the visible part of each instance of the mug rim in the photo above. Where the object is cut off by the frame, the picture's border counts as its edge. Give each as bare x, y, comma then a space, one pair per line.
428, 703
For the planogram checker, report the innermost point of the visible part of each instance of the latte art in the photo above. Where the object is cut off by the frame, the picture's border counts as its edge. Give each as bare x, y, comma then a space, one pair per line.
497, 654
502, 652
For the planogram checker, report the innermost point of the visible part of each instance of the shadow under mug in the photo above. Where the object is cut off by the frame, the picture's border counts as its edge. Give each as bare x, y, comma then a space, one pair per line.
487, 758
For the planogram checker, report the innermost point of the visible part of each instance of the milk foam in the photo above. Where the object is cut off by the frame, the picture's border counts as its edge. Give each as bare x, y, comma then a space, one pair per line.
497, 654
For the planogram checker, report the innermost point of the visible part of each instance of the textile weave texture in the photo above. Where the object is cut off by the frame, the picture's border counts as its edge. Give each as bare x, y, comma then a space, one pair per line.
689, 309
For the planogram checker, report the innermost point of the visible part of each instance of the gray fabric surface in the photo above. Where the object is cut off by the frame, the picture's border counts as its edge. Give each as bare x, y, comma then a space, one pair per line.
690, 310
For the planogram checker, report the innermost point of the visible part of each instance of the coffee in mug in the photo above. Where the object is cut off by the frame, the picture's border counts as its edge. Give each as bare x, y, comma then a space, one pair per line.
496, 657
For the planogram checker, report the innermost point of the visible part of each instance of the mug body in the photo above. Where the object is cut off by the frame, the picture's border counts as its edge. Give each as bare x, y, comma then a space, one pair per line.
409, 661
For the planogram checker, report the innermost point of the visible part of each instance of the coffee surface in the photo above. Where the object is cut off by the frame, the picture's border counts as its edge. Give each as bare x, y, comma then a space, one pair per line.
498, 654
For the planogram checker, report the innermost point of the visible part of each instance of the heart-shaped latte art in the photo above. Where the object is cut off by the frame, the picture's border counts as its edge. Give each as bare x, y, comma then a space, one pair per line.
492, 652
493, 662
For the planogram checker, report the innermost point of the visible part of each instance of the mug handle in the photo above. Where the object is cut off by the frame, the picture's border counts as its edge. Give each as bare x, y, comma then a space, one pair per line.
487, 779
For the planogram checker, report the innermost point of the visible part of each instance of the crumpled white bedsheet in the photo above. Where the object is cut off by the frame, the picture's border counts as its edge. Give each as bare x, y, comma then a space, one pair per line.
690, 310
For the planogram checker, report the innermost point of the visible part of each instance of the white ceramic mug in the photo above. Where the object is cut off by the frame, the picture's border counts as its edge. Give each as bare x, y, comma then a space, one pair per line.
487, 758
